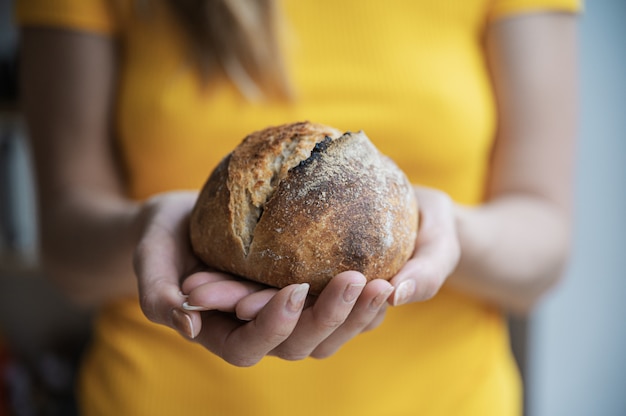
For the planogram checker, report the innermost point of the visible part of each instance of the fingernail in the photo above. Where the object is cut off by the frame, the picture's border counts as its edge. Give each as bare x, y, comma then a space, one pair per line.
404, 292
353, 290
297, 298
381, 298
183, 323
188, 307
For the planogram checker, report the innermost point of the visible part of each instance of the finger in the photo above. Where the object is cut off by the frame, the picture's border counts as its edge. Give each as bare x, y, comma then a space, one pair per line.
380, 316
158, 262
158, 272
417, 281
436, 256
422, 276
161, 300
221, 295
330, 310
245, 343
249, 307
365, 315
200, 278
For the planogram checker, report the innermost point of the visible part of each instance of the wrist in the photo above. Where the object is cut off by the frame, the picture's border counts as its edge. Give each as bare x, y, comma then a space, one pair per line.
473, 240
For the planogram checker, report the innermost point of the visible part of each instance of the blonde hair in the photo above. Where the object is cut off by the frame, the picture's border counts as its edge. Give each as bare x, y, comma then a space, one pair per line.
240, 38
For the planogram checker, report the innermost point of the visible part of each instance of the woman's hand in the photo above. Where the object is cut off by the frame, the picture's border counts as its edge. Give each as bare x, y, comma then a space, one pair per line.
437, 251
285, 323
266, 321
238, 320
163, 258
242, 321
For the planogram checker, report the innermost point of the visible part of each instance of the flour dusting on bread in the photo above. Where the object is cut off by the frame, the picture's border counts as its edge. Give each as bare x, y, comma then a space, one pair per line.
259, 164
302, 203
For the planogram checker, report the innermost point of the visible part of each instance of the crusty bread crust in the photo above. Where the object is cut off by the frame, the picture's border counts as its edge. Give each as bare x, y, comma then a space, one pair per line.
301, 203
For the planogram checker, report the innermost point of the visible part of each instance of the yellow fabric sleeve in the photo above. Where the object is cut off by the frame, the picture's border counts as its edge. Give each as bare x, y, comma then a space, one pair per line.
89, 15
505, 8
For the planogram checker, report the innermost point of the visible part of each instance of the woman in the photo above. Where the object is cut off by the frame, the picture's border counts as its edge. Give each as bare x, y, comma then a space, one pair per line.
476, 102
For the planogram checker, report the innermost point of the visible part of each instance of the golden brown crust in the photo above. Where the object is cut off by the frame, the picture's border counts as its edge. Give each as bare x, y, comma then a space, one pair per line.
260, 163
324, 206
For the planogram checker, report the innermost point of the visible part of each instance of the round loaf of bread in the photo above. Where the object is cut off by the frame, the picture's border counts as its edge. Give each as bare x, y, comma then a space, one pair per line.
301, 203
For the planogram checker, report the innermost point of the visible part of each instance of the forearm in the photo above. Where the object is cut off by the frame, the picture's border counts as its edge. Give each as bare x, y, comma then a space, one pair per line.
515, 245
513, 250
87, 243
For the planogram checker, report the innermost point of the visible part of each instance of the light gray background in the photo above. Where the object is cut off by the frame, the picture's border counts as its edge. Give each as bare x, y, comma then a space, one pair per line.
577, 354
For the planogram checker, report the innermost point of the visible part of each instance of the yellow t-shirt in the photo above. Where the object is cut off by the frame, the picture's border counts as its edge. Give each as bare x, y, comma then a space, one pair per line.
411, 74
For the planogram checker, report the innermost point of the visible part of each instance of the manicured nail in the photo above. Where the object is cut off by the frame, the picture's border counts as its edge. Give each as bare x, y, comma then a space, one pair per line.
352, 292
297, 298
381, 298
404, 292
183, 323
188, 307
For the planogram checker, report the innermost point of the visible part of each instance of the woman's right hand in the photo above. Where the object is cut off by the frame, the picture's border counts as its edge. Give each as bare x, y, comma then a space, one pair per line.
287, 323
163, 259
239, 320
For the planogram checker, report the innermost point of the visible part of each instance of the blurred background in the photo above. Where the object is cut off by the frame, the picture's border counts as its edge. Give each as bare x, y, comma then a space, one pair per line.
577, 339
571, 349
41, 334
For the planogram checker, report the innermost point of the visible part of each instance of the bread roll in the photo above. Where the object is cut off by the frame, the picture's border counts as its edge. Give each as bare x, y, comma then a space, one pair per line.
301, 203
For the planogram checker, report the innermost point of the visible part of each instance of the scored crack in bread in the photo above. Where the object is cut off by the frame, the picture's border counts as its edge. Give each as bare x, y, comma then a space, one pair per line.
301, 203
259, 164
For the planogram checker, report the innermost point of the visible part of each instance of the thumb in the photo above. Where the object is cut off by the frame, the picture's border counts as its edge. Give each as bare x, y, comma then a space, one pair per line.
419, 280
437, 252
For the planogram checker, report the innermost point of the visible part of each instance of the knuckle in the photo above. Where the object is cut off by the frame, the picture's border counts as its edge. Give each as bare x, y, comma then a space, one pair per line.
148, 304
428, 280
289, 354
330, 322
322, 352
428, 288
353, 328
240, 360
358, 322
277, 335
429, 293
154, 306
294, 357
139, 254
375, 322
276, 338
